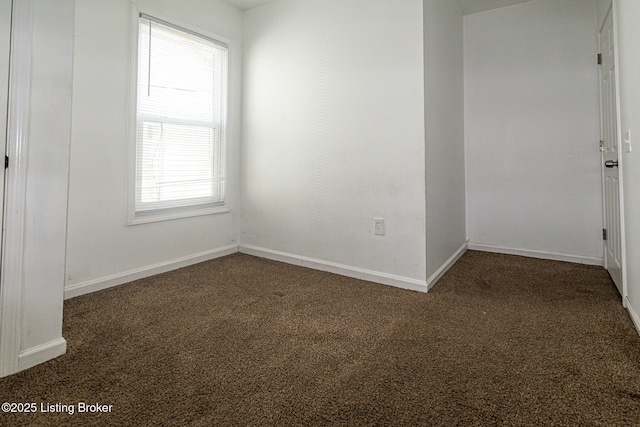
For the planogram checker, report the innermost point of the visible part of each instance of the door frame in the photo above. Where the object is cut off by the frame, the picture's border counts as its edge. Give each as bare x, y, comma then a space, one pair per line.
11, 279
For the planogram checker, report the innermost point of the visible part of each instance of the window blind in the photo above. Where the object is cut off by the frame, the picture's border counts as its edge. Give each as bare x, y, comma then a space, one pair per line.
181, 119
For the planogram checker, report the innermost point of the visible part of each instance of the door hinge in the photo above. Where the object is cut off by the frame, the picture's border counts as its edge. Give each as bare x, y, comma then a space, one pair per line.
6, 162
602, 146
599, 59
604, 234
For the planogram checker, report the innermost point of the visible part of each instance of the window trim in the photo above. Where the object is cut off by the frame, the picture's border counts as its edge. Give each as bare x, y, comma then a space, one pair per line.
133, 217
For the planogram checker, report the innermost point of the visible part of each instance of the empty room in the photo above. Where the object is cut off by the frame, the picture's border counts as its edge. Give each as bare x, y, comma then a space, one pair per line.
320, 212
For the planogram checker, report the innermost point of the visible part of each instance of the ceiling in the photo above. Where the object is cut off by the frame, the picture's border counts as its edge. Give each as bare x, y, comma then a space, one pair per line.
246, 4
468, 6
475, 6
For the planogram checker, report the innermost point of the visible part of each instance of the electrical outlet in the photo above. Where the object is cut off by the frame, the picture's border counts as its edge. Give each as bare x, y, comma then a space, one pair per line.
378, 226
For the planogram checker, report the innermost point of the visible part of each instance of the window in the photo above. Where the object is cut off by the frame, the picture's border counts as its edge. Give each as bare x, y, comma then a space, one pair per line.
181, 119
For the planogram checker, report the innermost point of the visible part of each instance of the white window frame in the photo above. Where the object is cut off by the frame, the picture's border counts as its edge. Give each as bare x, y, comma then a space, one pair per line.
134, 218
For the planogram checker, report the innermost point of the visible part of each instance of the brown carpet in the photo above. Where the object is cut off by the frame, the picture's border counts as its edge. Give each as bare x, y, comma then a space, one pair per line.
500, 340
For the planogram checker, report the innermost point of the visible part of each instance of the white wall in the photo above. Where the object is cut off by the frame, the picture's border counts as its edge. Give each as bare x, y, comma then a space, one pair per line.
101, 249
47, 176
444, 123
334, 134
532, 130
628, 17
603, 7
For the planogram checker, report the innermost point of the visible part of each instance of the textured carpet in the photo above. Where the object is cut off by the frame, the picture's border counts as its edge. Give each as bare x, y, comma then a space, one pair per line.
500, 340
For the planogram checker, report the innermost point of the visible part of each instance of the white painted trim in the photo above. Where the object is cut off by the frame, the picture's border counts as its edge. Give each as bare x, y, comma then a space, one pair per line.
332, 267
447, 265
623, 239
41, 353
536, 254
140, 273
171, 215
15, 191
132, 121
633, 313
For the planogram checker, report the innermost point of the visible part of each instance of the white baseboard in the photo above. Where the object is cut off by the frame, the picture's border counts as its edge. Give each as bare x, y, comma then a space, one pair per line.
633, 313
331, 267
446, 266
140, 273
41, 353
536, 254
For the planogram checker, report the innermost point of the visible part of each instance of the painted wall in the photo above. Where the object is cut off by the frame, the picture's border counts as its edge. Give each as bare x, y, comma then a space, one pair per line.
628, 17
444, 124
603, 6
101, 248
47, 173
334, 133
532, 129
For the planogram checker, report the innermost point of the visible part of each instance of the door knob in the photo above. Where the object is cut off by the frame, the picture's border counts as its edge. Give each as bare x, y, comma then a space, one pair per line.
611, 163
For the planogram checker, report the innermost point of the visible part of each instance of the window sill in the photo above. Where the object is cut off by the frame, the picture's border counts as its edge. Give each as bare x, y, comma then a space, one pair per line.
168, 216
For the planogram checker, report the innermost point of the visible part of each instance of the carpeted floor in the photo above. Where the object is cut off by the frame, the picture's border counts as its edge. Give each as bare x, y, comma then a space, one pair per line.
500, 340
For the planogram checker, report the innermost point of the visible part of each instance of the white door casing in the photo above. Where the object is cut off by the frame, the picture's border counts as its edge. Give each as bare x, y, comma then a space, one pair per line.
38, 135
610, 147
5, 46
6, 366
17, 136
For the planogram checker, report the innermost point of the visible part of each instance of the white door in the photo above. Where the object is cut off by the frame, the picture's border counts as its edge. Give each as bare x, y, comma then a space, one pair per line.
610, 155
